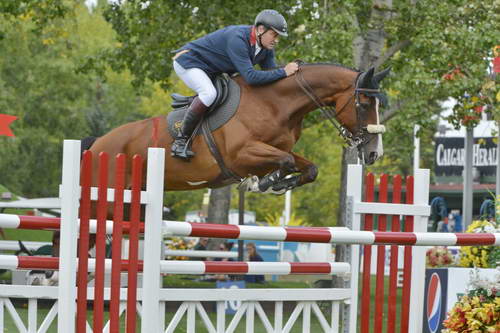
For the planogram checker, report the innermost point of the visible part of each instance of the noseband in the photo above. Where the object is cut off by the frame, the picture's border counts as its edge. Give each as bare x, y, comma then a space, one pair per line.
361, 136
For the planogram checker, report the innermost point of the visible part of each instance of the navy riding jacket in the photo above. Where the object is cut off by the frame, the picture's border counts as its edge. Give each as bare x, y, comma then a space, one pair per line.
230, 50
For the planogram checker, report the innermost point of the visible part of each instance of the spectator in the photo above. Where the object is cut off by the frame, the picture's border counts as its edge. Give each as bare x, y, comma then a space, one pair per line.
487, 210
439, 215
56, 238
226, 247
49, 277
253, 255
201, 246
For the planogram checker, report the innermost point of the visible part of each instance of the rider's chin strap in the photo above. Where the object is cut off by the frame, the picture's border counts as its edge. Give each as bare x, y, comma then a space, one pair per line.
259, 36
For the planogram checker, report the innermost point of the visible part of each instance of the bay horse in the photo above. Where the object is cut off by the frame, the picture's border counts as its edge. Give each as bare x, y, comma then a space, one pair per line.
256, 143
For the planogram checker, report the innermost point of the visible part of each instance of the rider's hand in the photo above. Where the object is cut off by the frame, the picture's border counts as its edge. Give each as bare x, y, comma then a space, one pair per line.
291, 68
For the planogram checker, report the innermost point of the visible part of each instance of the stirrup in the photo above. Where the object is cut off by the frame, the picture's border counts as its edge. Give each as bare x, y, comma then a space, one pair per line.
181, 152
185, 154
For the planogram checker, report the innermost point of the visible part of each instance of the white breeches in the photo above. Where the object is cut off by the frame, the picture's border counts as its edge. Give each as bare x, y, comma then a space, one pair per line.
199, 81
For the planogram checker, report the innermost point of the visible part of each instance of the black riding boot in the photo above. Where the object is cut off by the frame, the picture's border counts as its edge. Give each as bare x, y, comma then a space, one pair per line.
193, 115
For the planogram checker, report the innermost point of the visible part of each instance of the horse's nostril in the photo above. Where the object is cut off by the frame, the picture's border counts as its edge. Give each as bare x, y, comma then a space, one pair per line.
373, 157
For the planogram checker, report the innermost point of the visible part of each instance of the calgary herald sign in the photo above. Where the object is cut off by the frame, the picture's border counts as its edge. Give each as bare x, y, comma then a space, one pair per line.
449, 156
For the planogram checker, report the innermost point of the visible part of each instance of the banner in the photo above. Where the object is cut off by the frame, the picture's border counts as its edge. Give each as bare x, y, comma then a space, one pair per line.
231, 306
449, 156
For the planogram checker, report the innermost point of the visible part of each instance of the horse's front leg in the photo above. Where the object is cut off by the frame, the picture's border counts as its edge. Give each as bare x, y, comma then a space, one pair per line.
307, 174
273, 164
271, 180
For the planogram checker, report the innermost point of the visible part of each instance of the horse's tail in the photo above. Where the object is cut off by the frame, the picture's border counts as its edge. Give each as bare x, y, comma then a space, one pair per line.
87, 143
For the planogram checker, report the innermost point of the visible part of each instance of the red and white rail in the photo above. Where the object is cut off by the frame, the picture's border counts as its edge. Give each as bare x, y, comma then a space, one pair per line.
287, 234
328, 235
12, 262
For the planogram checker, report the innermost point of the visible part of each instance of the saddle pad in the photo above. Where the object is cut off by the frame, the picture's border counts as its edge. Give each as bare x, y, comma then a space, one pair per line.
216, 118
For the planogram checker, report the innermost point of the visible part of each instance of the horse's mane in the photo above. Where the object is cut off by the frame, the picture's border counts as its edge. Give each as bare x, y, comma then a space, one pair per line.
302, 63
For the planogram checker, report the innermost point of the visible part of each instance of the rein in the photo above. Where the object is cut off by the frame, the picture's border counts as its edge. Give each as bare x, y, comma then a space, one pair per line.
352, 140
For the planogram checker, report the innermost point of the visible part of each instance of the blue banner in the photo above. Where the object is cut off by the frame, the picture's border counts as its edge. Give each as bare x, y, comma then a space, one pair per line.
231, 306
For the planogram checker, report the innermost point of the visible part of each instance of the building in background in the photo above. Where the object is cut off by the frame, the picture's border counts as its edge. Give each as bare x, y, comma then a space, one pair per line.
449, 156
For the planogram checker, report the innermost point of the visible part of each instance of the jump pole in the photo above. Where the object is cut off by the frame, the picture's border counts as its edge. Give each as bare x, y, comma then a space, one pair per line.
13, 262
334, 235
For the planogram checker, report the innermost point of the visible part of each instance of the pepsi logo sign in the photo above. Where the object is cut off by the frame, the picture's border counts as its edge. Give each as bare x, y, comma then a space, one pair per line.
434, 303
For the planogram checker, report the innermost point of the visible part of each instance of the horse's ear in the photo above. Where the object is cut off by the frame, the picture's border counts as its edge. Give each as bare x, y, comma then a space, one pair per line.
365, 80
381, 75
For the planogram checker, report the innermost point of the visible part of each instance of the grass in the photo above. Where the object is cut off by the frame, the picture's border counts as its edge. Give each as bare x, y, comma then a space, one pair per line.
385, 310
192, 281
28, 235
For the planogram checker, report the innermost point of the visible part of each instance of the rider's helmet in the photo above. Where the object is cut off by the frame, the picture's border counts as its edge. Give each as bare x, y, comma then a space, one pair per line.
271, 19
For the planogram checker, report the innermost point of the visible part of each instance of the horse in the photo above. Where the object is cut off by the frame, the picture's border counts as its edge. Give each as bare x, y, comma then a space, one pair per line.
256, 144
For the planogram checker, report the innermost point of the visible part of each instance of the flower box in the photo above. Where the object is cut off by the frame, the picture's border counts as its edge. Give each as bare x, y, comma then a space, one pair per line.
443, 288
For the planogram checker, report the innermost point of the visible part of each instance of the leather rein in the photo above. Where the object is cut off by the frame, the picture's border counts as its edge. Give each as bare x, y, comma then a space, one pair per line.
360, 137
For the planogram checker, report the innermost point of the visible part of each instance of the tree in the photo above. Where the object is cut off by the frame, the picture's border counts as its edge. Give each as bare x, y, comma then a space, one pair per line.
40, 85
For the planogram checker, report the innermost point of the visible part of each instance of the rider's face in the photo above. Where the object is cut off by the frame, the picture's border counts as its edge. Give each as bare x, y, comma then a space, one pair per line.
269, 38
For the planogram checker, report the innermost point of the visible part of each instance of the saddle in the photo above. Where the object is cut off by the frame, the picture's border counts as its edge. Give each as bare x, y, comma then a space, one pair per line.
221, 84
221, 111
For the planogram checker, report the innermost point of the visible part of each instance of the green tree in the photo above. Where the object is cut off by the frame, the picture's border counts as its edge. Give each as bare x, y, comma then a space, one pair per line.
40, 85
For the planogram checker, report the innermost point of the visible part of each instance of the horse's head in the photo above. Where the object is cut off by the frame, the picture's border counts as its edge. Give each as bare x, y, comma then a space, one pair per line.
357, 112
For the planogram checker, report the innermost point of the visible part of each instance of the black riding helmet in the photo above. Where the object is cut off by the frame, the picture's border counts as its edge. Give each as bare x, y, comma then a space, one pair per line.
271, 19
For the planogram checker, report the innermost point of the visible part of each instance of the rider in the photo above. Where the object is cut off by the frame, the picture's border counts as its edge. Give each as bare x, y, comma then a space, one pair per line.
235, 48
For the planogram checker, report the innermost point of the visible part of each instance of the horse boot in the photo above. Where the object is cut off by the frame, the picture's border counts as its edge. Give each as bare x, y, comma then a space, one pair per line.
194, 113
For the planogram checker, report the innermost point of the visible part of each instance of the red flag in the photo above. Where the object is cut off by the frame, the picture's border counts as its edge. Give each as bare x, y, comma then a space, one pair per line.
5, 120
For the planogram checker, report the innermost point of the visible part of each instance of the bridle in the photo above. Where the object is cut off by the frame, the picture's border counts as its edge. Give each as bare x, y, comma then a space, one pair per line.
361, 136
